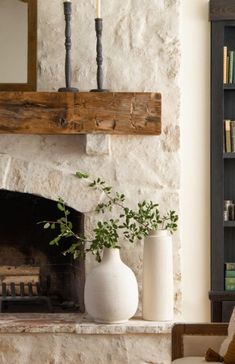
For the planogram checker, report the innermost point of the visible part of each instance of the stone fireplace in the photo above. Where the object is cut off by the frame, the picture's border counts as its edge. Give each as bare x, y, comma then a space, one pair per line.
31, 188
141, 53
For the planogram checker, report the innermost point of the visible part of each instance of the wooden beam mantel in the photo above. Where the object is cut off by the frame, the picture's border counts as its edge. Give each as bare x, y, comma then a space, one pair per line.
80, 113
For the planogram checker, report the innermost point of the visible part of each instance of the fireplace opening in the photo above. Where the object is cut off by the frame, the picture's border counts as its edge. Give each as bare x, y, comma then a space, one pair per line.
34, 276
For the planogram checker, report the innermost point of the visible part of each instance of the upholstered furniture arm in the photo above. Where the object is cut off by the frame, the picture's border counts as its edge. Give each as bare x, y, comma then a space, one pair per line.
181, 331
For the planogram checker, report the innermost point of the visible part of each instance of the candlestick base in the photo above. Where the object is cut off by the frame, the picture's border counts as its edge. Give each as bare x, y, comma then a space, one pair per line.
68, 89
99, 90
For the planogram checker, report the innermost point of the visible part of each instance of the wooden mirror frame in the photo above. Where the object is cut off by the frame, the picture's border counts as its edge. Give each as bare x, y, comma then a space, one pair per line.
31, 84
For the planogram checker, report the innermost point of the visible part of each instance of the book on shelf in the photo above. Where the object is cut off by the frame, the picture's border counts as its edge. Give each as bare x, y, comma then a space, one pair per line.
230, 284
232, 130
231, 66
230, 281
230, 287
229, 136
227, 70
224, 149
230, 274
227, 128
229, 266
225, 64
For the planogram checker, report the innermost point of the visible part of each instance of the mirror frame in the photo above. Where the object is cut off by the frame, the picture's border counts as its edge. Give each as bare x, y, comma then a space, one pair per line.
31, 84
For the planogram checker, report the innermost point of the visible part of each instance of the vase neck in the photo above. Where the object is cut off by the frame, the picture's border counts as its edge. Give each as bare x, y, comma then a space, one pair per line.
160, 232
111, 254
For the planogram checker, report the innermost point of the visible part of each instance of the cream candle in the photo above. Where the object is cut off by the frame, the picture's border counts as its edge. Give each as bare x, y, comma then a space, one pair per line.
98, 8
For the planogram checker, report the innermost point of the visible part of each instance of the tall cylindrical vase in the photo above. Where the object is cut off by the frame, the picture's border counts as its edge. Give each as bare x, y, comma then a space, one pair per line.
111, 290
158, 289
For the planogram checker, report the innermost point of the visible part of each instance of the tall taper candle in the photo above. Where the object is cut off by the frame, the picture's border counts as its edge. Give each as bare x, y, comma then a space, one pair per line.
98, 8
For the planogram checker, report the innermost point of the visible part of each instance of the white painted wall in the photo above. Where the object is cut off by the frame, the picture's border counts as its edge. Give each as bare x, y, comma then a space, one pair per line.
195, 159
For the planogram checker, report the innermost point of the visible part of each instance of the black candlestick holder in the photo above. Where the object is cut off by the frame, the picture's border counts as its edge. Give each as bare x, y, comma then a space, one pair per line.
99, 56
68, 46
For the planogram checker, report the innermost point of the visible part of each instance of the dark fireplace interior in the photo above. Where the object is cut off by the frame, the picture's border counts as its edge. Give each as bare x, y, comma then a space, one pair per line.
24, 242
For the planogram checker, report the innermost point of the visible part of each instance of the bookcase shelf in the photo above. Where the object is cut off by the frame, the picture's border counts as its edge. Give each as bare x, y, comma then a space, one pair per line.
229, 224
222, 169
219, 295
229, 87
229, 155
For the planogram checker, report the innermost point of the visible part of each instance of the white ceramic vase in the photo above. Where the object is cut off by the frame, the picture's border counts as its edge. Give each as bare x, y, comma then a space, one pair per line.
111, 290
158, 289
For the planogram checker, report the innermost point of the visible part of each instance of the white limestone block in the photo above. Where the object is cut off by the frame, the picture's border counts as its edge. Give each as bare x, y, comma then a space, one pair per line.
5, 161
97, 144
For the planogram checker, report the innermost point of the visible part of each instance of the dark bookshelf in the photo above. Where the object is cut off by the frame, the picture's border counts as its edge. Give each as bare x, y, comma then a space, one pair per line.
222, 164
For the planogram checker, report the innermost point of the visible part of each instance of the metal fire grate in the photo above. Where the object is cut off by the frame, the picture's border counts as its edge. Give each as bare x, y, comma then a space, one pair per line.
28, 292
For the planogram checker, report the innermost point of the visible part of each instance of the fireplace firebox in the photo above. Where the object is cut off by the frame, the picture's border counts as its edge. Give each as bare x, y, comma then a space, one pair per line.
42, 278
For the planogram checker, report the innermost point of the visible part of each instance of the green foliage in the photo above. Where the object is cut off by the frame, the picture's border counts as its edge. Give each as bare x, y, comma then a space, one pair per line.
129, 224
81, 174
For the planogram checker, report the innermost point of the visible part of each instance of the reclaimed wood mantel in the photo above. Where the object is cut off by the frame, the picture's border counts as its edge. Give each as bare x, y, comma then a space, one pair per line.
80, 113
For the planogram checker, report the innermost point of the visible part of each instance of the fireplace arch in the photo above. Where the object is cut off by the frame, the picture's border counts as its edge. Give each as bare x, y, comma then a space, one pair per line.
28, 193
48, 182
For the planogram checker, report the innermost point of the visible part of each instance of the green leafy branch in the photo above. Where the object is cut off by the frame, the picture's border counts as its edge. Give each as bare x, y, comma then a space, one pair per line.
66, 231
129, 224
112, 199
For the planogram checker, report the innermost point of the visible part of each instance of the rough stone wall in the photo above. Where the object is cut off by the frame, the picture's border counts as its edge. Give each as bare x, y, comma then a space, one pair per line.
84, 349
141, 53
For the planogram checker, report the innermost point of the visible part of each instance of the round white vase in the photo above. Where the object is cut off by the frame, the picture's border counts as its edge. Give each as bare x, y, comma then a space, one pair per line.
158, 288
111, 290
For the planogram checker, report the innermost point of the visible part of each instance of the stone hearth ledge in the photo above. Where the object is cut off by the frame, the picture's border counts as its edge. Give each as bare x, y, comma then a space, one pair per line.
76, 324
